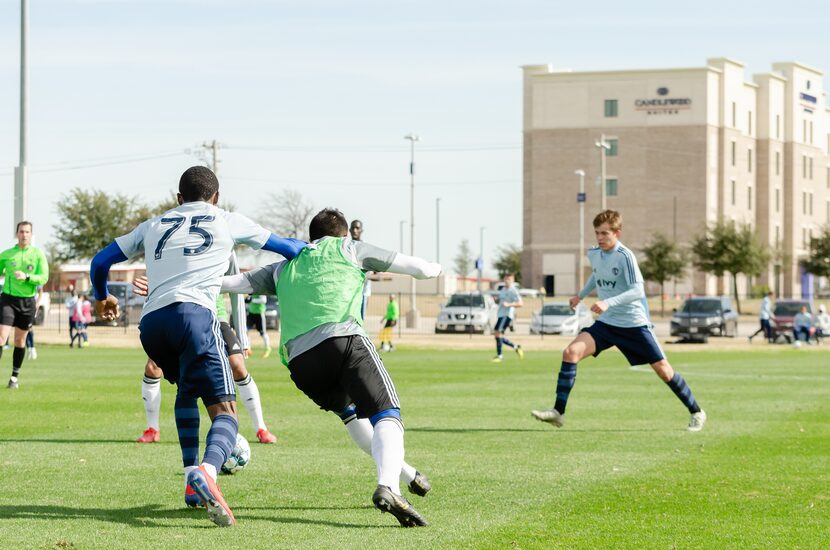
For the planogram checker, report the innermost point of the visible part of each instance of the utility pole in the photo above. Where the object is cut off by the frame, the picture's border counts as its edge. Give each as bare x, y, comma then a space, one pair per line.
21, 173
413, 316
603, 146
213, 150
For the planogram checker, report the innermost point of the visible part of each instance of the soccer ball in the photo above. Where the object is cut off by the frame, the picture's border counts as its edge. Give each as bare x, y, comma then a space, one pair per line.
240, 456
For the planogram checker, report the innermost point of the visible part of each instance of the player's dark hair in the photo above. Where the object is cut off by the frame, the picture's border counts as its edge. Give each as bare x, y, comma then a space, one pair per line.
198, 183
329, 222
23, 223
506, 275
611, 217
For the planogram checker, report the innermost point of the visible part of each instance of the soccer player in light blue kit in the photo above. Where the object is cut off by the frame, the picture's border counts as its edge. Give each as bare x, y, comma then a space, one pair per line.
187, 250
509, 300
623, 322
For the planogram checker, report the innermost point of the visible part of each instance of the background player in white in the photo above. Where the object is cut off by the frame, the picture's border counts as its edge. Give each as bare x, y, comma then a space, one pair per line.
186, 250
509, 300
623, 322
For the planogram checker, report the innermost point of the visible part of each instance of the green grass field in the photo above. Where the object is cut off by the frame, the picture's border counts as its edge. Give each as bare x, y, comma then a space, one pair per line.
623, 473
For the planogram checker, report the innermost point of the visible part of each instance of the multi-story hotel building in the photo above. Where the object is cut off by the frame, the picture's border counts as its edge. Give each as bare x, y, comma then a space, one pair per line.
685, 148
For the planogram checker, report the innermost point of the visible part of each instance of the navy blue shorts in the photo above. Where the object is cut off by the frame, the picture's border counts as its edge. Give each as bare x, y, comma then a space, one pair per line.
185, 341
638, 344
502, 324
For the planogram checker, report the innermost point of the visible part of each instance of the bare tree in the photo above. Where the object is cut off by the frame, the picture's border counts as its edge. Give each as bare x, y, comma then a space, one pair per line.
288, 214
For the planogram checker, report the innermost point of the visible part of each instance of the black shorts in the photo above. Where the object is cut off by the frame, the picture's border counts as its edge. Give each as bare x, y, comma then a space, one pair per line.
502, 324
17, 312
390, 323
232, 344
345, 370
256, 320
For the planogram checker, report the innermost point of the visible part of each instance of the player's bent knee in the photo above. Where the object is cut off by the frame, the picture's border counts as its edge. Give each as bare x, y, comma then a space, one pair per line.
573, 353
663, 369
223, 407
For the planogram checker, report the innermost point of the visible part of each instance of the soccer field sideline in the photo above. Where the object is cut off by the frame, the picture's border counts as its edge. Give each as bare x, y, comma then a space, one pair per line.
621, 468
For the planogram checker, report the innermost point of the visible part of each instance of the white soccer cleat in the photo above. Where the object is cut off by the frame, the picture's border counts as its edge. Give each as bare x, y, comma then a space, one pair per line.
697, 421
551, 416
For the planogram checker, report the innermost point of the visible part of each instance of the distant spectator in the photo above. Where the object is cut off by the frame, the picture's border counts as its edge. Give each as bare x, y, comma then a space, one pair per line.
822, 323
802, 326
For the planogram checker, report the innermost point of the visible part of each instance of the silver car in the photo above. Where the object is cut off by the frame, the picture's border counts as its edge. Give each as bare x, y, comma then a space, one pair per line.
467, 312
559, 318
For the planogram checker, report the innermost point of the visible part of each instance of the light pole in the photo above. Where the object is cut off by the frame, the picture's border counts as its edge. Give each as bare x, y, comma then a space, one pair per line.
403, 222
438, 230
480, 255
21, 173
412, 315
603, 146
580, 198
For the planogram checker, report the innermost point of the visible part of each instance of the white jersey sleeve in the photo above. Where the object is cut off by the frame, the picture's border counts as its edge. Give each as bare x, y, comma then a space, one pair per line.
246, 231
132, 244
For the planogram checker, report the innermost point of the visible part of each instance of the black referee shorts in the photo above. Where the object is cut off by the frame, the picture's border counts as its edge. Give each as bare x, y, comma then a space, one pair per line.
17, 312
345, 370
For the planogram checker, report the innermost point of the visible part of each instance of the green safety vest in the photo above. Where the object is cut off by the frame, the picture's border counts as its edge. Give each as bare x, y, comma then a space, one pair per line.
318, 287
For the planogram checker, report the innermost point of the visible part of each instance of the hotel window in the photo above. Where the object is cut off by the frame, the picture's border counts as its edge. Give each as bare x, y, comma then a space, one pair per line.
810, 164
804, 131
778, 130
749, 198
778, 164
810, 202
612, 147
734, 113
777, 200
803, 166
803, 237
749, 160
828, 177
611, 187
733, 153
777, 235
749, 123
733, 192
610, 107
811, 132
804, 202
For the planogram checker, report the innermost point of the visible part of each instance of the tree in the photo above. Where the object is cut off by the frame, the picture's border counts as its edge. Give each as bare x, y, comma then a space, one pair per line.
818, 262
463, 261
664, 260
288, 214
728, 248
509, 260
89, 220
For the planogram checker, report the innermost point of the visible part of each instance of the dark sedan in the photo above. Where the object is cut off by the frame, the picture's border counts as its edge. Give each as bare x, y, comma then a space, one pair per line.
702, 317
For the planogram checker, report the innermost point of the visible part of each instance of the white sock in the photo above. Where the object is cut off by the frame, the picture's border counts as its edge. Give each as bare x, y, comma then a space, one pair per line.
187, 470
210, 469
266, 339
151, 394
360, 430
388, 452
249, 394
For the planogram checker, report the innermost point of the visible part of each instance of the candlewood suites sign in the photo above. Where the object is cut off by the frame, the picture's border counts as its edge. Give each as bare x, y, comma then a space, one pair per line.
663, 105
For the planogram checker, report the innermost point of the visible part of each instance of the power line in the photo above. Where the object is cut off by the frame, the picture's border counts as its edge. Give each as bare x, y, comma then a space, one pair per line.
366, 183
374, 149
102, 161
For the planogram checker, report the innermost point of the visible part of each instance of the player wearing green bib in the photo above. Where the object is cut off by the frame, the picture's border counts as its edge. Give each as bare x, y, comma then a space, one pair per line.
393, 312
25, 269
328, 353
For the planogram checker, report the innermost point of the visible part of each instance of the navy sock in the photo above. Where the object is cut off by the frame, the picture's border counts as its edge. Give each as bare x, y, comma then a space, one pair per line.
498, 346
567, 378
17, 360
507, 342
221, 439
187, 424
681, 390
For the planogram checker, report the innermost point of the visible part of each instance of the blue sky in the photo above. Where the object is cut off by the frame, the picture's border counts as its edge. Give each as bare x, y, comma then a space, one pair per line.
317, 95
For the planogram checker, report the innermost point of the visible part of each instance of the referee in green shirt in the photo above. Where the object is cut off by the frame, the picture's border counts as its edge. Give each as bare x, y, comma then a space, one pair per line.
25, 268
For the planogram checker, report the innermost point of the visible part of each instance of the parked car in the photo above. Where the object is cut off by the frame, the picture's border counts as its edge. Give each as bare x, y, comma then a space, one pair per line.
467, 312
44, 302
559, 318
130, 305
272, 314
783, 314
701, 317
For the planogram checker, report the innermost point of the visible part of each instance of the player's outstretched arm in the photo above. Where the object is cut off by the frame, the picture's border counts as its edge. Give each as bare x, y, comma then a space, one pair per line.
284, 246
416, 267
107, 305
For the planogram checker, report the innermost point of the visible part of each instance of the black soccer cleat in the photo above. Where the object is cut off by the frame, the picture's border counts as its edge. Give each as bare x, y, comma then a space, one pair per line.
420, 485
387, 501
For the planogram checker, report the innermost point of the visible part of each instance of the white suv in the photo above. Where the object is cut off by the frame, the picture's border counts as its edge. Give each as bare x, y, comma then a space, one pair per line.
467, 312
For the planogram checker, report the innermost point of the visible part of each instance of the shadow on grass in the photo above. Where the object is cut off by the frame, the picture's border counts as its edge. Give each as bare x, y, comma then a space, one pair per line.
148, 515
541, 429
74, 441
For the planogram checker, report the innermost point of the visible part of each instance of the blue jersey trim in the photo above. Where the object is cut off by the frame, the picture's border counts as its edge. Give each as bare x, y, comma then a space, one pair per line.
627, 255
393, 413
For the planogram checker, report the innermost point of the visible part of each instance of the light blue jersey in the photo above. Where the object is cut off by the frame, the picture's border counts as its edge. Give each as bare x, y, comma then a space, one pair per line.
617, 278
509, 295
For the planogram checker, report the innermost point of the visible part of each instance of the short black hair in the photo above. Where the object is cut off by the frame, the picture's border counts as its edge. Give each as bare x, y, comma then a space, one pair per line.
198, 183
23, 223
329, 222
354, 223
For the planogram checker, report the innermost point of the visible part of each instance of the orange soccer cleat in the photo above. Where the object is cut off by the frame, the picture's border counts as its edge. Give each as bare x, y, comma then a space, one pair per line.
206, 488
150, 435
265, 436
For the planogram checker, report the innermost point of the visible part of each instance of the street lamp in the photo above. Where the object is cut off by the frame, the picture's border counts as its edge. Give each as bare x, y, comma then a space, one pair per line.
580, 198
21, 172
604, 147
412, 315
403, 222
